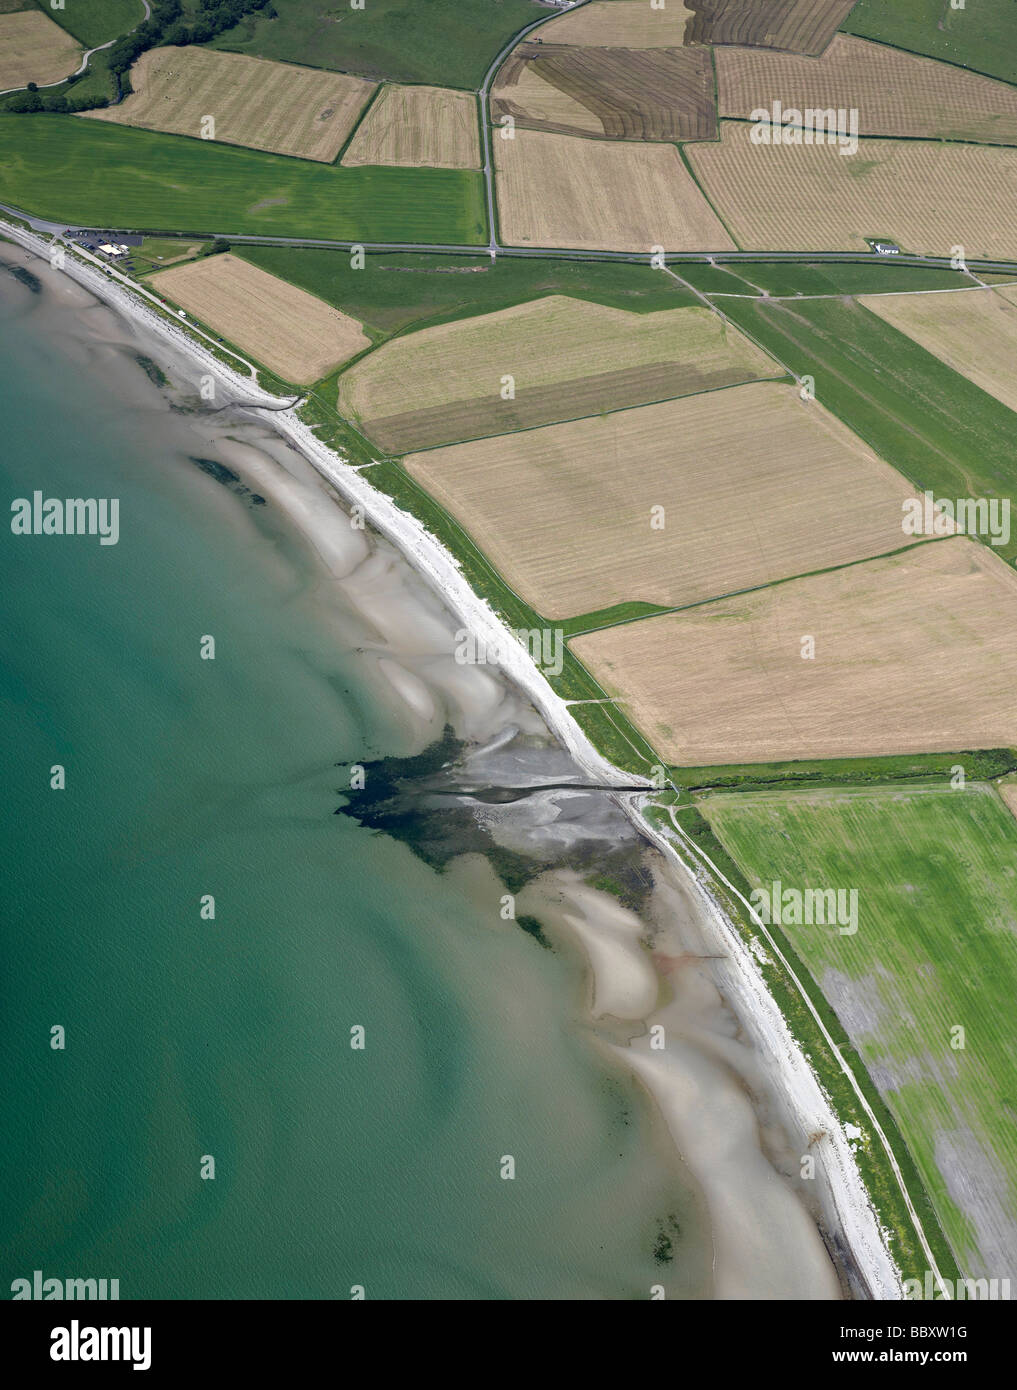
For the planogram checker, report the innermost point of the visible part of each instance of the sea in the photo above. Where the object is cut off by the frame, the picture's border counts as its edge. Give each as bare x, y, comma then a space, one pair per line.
253, 1048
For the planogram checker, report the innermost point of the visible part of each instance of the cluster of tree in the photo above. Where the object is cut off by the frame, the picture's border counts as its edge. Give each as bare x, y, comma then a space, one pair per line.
216, 247
25, 103
215, 17
165, 14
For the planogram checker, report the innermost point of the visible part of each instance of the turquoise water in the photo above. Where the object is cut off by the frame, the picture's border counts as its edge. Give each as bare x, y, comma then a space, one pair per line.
230, 1037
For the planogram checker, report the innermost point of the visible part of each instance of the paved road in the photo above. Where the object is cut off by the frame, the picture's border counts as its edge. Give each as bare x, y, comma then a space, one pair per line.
493, 247
42, 224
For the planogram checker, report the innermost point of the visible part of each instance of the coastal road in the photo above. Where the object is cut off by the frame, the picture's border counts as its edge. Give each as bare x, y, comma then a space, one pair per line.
705, 257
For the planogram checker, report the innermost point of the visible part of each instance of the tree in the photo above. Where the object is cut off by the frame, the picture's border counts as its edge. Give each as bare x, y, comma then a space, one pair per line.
25, 102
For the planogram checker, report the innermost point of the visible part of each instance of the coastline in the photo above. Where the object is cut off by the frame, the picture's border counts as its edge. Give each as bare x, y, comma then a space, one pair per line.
849, 1212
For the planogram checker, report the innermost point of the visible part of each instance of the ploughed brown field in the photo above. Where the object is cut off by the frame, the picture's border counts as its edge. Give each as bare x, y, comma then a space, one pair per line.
894, 93
670, 504
34, 49
913, 653
306, 112
800, 26
566, 358
418, 127
649, 94
559, 190
925, 195
291, 332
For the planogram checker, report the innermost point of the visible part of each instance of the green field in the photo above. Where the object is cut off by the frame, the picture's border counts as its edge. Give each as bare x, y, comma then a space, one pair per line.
982, 35
865, 277
446, 42
936, 946
73, 169
393, 291
93, 22
939, 429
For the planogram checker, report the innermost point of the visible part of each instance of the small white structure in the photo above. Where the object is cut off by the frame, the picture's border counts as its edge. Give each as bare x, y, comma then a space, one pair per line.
108, 248
886, 248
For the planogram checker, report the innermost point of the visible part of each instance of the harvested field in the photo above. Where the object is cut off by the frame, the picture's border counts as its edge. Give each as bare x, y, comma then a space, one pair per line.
974, 332
1008, 791
649, 94
620, 24
556, 190
419, 127
799, 26
814, 198
894, 93
755, 486
538, 105
286, 329
268, 106
913, 653
567, 358
34, 49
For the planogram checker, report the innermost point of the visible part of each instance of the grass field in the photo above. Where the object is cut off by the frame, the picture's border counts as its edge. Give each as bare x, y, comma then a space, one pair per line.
813, 198
936, 946
295, 335
567, 358
894, 93
92, 172
755, 486
803, 26
650, 94
913, 653
982, 37
620, 24
975, 333
877, 276
156, 252
393, 292
443, 42
556, 190
93, 22
428, 127
267, 106
939, 429
34, 49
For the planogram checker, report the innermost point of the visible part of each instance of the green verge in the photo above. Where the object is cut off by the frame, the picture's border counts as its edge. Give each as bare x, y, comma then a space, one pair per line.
394, 292
93, 22
935, 870
91, 172
981, 36
448, 43
935, 426
978, 765
878, 1178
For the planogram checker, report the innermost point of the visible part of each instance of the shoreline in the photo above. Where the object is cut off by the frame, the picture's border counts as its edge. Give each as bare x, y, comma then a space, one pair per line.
796, 1087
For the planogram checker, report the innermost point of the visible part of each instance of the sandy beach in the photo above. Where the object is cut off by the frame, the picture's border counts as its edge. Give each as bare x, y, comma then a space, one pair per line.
734, 1090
